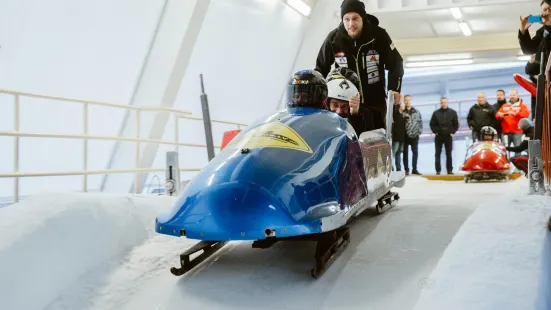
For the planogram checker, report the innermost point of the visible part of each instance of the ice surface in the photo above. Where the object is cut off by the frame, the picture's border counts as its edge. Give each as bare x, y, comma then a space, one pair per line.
99, 252
47, 242
499, 259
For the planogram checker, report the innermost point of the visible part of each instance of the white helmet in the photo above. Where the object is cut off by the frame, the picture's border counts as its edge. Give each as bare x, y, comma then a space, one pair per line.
341, 88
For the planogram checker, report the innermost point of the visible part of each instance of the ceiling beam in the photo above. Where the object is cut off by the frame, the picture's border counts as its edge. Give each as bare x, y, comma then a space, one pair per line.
378, 6
461, 44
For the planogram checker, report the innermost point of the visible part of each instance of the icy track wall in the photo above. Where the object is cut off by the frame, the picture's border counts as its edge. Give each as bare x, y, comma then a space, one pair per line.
48, 241
499, 259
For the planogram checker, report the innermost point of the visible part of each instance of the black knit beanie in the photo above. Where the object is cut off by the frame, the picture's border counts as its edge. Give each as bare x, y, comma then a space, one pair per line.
356, 6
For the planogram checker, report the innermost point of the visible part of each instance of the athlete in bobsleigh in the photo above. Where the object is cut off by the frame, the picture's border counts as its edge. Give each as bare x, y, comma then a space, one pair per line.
343, 98
487, 158
298, 174
488, 133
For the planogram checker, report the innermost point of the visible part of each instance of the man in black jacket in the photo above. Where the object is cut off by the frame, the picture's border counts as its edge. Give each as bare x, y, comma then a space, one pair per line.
398, 134
521, 161
481, 114
360, 44
444, 123
501, 100
541, 42
533, 70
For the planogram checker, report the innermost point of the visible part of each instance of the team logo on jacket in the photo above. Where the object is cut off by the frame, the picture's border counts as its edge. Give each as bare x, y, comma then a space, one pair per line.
272, 135
340, 59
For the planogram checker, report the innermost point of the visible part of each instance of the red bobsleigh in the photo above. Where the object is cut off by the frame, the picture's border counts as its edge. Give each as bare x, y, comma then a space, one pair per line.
487, 159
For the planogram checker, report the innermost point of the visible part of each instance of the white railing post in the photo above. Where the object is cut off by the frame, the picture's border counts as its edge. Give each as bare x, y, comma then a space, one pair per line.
16, 119
17, 134
138, 126
85, 157
176, 131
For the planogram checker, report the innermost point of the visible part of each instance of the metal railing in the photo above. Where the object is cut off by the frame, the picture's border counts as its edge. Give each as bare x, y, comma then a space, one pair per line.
176, 113
461, 107
85, 172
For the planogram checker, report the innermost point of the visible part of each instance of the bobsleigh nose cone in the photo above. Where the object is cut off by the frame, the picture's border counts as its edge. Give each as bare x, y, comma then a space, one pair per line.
232, 211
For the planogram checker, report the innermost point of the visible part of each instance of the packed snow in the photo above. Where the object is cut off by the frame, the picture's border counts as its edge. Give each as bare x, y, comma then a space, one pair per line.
99, 251
49, 243
499, 259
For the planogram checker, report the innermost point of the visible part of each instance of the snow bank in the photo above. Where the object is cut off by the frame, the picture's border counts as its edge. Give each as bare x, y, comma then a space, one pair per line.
48, 241
499, 259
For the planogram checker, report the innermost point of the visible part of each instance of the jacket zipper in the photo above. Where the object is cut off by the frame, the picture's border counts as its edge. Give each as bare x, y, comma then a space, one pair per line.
358, 67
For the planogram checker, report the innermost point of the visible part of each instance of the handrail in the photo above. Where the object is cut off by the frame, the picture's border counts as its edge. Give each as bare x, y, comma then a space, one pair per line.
16, 174
178, 114
97, 103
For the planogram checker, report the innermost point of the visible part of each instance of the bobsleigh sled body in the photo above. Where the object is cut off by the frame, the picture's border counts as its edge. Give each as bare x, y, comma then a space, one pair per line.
300, 172
486, 160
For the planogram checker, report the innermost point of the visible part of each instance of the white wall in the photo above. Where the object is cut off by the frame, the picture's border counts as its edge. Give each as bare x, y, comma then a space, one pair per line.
84, 49
245, 51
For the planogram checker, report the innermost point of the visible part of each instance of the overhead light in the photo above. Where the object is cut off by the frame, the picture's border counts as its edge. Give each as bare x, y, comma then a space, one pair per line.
300, 7
524, 58
456, 13
439, 63
465, 29
438, 57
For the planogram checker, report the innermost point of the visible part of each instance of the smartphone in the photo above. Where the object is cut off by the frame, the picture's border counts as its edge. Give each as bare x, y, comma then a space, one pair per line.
534, 19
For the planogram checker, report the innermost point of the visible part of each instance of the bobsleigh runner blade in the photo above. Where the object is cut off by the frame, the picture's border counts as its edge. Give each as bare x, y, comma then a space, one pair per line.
208, 248
387, 202
329, 247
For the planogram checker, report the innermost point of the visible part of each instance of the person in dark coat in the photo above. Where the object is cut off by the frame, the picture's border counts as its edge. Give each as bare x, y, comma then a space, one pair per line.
398, 135
541, 42
501, 100
444, 123
480, 115
533, 70
359, 43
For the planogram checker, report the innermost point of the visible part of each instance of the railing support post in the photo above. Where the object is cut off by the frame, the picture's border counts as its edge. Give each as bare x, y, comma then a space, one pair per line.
16, 120
85, 158
138, 134
172, 184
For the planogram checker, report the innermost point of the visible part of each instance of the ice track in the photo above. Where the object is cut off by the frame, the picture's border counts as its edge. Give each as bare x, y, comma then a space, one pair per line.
386, 266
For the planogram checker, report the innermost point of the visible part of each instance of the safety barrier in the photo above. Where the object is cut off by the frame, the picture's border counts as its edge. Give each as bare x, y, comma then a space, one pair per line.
85, 172
176, 113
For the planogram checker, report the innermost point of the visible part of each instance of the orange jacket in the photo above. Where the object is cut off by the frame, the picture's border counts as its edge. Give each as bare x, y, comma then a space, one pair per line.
509, 123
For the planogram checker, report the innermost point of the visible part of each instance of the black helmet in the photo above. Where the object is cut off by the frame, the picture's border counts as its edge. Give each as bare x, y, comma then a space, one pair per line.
488, 133
524, 124
307, 88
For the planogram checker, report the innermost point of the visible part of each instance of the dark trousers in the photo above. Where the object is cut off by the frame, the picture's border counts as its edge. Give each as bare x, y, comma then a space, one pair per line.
447, 142
379, 118
414, 143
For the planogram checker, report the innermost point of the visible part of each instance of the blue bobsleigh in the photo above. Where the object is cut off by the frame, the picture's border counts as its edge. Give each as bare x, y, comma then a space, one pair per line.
301, 173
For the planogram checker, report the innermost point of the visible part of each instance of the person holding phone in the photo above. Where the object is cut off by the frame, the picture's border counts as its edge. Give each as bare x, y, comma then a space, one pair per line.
541, 42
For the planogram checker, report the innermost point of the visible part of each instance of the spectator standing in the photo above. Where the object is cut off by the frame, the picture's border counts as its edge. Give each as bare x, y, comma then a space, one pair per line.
532, 69
398, 134
359, 43
480, 115
414, 128
509, 115
541, 42
501, 100
444, 123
